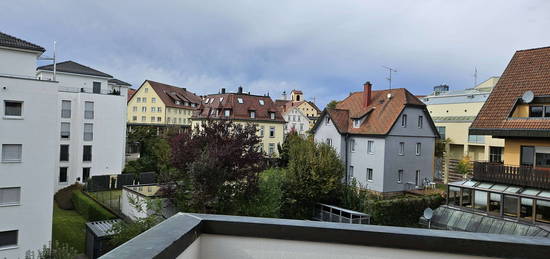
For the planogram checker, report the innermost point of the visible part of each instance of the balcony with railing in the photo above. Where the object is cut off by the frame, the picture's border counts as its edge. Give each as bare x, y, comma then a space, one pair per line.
526, 176
89, 90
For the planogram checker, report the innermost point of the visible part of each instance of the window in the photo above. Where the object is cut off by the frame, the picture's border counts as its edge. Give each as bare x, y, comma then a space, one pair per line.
301, 127
352, 145
271, 149
542, 159
139, 99
272, 115
65, 130
63, 174
153, 118
441, 130
400, 176
454, 196
370, 147
350, 172
271, 132
356, 123
527, 155
262, 129
417, 179
510, 206
535, 111
547, 111
85, 173
479, 139
526, 208
466, 198
143, 118
153, 109
88, 110
327, 120
329, 142
495, 154
144, 99
88, 131
97, 87
179, 120
168, 120
221, 100
8, 238
494, 203
153, 100
87, 154
65, 109
261, 102
227, 113
542, 211
369, 174
420, 121
404, 120
146, 90
134, 118
12, 153
143, 109
480, 200
252, 114
10, 196
239, 100
159, 109
64, 153
418, 148
134, 109
401, 148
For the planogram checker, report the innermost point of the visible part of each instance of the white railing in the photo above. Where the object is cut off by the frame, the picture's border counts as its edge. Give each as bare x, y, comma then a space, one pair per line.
88, 90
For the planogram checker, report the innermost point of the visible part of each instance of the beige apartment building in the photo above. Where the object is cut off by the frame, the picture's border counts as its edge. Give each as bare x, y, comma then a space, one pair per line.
454, 111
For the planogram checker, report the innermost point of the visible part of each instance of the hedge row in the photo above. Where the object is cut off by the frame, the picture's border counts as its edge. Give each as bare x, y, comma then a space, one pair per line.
403, 211
90, 209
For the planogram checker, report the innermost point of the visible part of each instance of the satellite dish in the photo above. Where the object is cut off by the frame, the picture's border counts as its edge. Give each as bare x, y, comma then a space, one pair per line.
528, 97
428, 213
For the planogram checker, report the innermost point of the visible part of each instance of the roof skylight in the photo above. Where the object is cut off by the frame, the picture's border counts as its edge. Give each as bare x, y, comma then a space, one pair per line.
240, 100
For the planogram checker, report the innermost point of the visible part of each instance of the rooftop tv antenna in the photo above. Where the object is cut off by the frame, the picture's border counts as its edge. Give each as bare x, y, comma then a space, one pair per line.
390, 70
53, 59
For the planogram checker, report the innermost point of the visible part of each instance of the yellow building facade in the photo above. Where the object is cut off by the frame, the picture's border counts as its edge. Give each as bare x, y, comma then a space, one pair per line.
159, 104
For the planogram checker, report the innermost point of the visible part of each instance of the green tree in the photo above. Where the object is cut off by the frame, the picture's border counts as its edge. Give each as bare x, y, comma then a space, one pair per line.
314, 171
124, 231
267, 201
332, 104
440, 146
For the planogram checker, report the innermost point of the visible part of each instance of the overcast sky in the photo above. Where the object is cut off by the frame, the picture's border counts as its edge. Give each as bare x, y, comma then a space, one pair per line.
325, 48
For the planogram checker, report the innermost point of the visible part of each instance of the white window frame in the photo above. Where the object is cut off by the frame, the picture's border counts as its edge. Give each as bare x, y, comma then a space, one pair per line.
88, 113
329, 141
272, 132
272, 115
61, 130
261, 102
252, 114
418, 148
64, 111
19, 153
370, 146
134, 109
400, 174
153, 99
3, 199
66, 175
404, 120
420, 121
240, 100
352, 145
350, 172
227, 112
356, 123
88, 132
143, 108
401, 148
16, 240
370, 174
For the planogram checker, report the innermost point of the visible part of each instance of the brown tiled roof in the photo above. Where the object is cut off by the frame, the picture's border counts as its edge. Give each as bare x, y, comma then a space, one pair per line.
382, 112
239, 110
169, 94
286, 105
131, 93
529, 70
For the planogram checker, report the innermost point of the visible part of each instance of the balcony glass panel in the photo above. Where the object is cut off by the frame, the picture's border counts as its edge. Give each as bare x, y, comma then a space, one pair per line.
510, 207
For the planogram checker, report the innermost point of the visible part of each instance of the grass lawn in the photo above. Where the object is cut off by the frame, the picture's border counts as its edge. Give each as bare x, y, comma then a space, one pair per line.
69, 227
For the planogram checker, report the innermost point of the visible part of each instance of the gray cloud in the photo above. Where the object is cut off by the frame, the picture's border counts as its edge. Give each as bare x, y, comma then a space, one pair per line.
326, 48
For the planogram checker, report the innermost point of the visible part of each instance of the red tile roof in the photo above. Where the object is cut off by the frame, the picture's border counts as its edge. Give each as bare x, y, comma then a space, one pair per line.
239, 110
169, 94
131, 93
382, 112
529, 70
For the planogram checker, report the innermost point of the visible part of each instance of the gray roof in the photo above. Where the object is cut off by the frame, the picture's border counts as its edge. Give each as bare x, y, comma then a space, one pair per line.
13, 42
75, 68
118, 82
102, 228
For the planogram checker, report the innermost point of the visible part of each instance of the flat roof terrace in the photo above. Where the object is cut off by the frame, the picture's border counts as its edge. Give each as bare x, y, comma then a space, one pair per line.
193, 236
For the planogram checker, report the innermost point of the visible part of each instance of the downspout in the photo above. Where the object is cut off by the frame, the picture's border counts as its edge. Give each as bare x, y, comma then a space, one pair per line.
346, 137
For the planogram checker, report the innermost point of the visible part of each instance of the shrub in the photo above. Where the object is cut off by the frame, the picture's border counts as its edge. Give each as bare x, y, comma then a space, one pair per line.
402, 211
64, 196
267, 201
464, 166
90, 209
55, 250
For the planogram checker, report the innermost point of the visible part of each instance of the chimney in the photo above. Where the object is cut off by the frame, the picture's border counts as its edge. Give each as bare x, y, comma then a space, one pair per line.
284, 95
240, 90
367, 88
223, 90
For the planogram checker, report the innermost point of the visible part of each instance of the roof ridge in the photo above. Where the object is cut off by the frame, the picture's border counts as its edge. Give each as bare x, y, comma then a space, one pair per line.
538, 48
37, 47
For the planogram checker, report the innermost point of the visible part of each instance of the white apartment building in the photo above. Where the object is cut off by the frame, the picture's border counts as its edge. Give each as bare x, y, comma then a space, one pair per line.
28, 150
296, 121
91, 108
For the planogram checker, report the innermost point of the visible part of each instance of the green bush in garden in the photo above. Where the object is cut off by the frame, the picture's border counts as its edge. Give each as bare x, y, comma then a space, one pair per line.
64, 196
401, 211
90, 209
267, 201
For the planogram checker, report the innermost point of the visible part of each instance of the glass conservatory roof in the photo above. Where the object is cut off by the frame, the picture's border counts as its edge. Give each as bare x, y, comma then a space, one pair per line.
502, 188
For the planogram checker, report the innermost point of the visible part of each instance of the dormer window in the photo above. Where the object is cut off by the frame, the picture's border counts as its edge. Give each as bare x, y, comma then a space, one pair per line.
252, 114
240, 100
207, 100
221, 99
186, 103
261, 102
327, 121
178, 102
356, 123
272, 115
536, 111
193, 105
